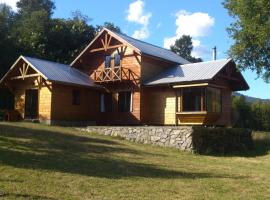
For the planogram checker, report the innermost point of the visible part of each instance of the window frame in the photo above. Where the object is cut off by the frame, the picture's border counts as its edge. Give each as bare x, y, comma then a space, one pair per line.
126, 109
106, 62
103, 107
76, 97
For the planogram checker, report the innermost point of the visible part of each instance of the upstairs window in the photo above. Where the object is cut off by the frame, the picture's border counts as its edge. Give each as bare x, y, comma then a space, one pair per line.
106, 102
108, 60
125, 101
117, 60
76, 97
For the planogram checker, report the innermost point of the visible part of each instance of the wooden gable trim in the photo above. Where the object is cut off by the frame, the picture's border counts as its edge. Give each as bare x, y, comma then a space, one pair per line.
22, 71
96, 38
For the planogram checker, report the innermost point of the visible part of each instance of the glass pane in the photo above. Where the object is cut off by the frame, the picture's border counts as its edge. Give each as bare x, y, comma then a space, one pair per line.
213, 100
193, 98
117, 60
108, 61
124, 101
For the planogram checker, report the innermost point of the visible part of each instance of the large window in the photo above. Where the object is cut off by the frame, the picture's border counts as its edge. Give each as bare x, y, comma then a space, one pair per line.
201, 99
76, 97
213, 100
125, 101
193, 99
106, 102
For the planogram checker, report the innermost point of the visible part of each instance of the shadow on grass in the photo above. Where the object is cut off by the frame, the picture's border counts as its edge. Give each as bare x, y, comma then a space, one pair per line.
24, 196
55, 151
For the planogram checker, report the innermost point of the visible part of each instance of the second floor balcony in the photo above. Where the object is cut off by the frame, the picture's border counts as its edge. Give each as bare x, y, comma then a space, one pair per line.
113, 74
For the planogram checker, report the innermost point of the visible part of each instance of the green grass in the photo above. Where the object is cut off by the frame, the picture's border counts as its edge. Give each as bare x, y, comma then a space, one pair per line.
42, 162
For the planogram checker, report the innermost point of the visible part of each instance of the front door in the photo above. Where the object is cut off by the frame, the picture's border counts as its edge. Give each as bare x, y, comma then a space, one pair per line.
31, 104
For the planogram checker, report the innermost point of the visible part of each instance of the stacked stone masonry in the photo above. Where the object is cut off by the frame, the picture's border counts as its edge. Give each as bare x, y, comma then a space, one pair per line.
177, 137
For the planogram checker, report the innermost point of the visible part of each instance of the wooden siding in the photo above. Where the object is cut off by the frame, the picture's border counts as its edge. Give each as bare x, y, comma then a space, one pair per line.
152, 66
63, 110
44, 102
158, 106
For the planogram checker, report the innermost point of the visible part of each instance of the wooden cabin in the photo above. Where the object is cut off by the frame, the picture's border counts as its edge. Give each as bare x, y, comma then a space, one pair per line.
118, 80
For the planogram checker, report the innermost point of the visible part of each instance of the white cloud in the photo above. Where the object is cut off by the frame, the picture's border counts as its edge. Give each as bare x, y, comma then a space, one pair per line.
141, 34
11, 3
196, 25
136, 14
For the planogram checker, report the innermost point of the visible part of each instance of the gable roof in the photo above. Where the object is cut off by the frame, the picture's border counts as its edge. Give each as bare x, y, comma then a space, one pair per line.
153, 50
138, 45
203, 71
56, 72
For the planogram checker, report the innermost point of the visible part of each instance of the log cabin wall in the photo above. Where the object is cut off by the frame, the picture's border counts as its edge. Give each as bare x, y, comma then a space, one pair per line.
129, 60
158, 105
63, 109
44, 99
153, 66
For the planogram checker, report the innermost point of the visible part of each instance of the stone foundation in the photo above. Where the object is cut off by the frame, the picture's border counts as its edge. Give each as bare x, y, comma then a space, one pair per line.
177, 137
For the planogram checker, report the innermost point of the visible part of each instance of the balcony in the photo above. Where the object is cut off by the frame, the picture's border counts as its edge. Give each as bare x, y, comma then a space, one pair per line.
114, 74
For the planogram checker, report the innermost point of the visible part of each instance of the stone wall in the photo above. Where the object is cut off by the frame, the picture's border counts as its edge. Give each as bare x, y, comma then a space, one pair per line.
177, 137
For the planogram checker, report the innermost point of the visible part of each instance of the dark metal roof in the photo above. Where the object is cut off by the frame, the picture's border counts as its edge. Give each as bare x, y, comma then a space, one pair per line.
153, 50
57, 72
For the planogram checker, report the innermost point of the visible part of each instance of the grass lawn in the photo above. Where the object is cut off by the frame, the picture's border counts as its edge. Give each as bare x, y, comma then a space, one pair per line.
42, 162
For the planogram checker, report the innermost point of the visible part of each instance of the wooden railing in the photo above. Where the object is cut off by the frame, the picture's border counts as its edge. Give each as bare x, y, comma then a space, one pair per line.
114, 74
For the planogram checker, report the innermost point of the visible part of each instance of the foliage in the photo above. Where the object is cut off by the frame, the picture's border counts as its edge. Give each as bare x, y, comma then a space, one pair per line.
32, 31
255, 115
110, 26
183, 47
251, 34
222, 140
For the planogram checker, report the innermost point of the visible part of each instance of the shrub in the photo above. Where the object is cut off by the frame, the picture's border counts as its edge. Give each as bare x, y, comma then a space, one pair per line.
222, 140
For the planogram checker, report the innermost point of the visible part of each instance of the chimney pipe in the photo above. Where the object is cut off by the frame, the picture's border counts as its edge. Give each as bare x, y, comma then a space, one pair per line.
215, 53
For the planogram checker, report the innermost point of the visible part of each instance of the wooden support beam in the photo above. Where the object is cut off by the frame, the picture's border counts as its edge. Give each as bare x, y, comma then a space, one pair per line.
191, 85
106, 48
25, 76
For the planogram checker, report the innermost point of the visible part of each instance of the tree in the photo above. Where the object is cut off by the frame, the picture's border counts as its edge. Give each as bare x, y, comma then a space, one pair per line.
26, 7
67, 38
7, 53
183, 47
251, 34
110, 26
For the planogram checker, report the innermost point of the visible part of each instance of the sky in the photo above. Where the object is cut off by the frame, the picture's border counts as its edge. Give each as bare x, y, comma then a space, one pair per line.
160, 22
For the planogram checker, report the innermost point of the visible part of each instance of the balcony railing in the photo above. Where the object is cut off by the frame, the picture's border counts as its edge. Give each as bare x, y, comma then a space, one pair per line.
113, 74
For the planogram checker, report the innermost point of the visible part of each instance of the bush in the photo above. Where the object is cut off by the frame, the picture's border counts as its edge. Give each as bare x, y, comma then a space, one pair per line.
2, 115
222, 140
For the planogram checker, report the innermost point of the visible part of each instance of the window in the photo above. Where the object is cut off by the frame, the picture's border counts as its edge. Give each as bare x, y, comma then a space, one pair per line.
125, 102
213, 100
106, 102
193, 99
76, 97
108, 60
117, 60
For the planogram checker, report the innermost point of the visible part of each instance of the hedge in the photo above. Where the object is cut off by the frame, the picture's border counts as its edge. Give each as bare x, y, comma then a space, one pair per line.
222, 140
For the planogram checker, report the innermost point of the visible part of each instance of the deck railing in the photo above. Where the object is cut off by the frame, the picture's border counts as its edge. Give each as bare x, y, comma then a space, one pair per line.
113, 74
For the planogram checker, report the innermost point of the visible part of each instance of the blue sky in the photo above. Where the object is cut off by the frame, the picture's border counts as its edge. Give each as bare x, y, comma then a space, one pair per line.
155, 20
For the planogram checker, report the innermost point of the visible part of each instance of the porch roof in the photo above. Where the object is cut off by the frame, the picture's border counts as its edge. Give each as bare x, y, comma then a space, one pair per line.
56, 72
194, 72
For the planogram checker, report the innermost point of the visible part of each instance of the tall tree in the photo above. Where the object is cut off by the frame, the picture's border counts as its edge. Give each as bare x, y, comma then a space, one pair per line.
109, 25
183, 47
7, 53
251, 34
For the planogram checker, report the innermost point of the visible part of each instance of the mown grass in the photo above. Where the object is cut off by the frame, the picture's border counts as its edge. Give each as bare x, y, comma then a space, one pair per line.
42, 162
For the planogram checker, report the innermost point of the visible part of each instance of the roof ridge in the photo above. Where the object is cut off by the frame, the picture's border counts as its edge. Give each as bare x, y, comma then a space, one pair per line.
149, 44
46, 60
225, 59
